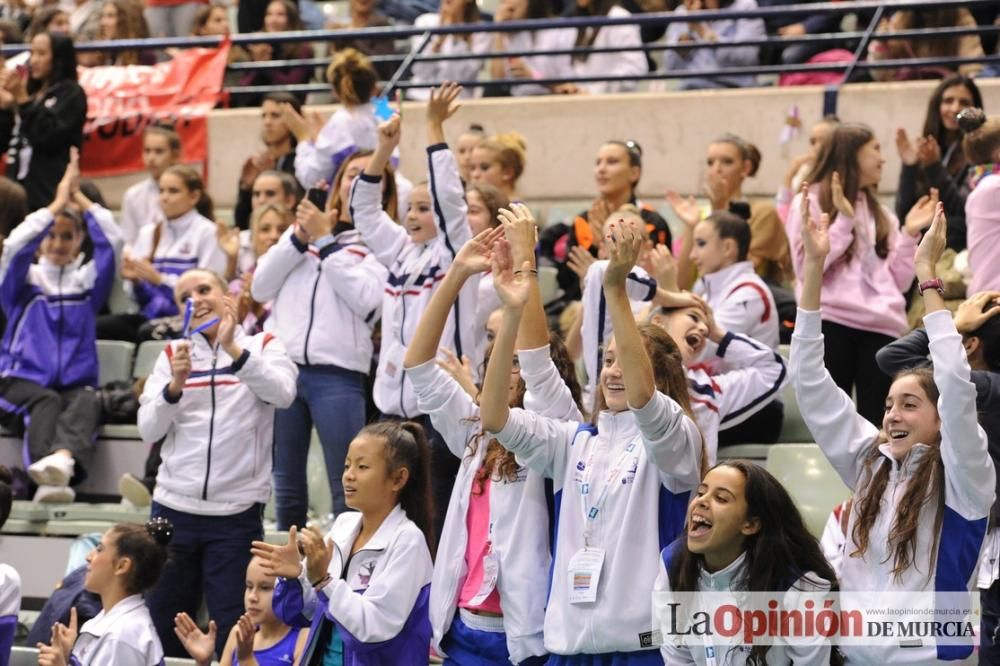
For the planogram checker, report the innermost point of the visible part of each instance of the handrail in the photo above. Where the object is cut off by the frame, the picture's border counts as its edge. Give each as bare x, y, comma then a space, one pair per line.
654, 76
399, 32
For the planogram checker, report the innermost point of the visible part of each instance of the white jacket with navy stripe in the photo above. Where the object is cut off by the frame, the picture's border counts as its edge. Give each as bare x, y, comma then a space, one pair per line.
325, 300
661, 452
219, 433
414, 272
122, 636
378, 596
518, 509
741, 302
742, 376
847, 439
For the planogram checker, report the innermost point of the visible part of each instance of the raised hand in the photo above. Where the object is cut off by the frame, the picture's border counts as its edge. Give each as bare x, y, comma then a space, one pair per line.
907, 151
389, 134
685, 209
314, 222
660, 263
931, 246
180, 367
919, 217
521, 232
245, 632
579, 261
840, 202
969, 317
199, 645
228, 238
442, 104
512, 285
57, 653
475, 256
815, 235
226, 331
460, 371
928, 151
623, 244
282, 561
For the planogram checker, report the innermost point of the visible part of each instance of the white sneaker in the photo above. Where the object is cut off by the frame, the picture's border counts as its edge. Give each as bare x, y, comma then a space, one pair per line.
54, 495
54, 469
134, 491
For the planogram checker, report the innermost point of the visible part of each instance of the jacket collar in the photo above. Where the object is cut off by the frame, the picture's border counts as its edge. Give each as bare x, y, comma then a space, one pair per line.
723, 277
617, 425
52, 269
722, 579
105, 620
347, 529
907, 465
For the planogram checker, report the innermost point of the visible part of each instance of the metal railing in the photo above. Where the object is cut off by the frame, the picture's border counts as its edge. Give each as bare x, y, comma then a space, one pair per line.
859, 40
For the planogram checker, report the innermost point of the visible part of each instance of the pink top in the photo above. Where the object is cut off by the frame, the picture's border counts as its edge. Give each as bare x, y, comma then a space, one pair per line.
477, 524
982, 220
860, 290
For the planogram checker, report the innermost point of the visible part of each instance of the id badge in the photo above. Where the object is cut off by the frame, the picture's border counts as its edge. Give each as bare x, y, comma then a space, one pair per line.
491, 573
394, 360
584, 575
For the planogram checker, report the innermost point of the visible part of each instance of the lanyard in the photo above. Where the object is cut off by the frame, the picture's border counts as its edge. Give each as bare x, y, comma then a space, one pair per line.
614, 472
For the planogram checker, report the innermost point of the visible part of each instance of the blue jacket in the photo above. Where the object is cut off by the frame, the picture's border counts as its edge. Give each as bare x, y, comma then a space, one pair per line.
51, 310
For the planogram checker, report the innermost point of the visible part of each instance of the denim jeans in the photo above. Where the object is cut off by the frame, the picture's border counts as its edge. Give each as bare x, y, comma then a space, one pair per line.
207, 554
334, 400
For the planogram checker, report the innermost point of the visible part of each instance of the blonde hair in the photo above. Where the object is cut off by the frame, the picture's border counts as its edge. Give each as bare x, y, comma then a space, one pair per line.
352, 77
509, 150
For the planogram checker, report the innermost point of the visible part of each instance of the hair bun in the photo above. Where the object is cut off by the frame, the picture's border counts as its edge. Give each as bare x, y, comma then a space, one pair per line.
161, 530
971, 119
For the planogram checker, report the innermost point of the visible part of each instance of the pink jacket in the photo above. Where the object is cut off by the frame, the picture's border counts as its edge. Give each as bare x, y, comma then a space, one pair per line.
860, 290
982, 220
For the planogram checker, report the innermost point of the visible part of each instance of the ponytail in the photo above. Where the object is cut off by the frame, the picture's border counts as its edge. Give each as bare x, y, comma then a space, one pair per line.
146, 546
352, 77
406, 446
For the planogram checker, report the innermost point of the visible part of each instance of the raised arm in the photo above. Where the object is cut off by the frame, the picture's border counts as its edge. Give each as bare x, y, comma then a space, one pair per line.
277, 263
385, 238
451, 214
521, 231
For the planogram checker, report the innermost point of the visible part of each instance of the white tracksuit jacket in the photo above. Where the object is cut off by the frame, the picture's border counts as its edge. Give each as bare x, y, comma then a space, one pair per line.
123, 636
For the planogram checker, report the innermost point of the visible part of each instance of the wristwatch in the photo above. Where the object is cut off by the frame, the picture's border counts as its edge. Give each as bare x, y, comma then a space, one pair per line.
936, 283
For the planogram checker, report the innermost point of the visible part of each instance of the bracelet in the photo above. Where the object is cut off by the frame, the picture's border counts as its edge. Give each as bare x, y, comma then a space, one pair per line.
322, 582
530, 271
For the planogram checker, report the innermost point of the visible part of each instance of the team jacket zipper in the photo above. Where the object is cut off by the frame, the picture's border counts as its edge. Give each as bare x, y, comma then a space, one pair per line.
312, 312
211, 425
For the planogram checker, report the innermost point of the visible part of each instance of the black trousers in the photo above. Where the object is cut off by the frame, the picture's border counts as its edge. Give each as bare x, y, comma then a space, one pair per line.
53, 420
850, 360
989, 646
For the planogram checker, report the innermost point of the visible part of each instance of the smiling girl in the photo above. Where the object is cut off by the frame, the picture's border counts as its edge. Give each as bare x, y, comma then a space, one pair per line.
923, 481
125, 564
365, 586
258, 635
49, 355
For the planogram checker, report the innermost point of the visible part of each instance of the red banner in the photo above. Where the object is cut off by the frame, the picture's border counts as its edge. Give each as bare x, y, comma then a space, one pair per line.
123, 101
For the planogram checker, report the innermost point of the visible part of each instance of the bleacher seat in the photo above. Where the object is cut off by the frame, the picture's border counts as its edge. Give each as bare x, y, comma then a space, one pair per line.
146, 357
793, 427
754, 452
114, 358
809, 478
547, 283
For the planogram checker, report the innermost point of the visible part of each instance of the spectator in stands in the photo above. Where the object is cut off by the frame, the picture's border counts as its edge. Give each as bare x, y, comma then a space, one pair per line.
49, 362
617, 170
182, 239
718, 31
84, 18
10, 32
322, 147
870, 263
964, 46
801, 165
127, 562
344, 281
499, 161
466, 143
367, 597
928, 441
365, 14
213, 20
213, 398
122, 19
170, 18
10, 581
976, 320
51, 108
267, 224
611, 66
278, 154
982, 215
800, 26
744, 532
281, 16
161, 149
937, 158
531, 67
730, 161
258, 635
48, 19
439, 71
17, 13
275, 187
